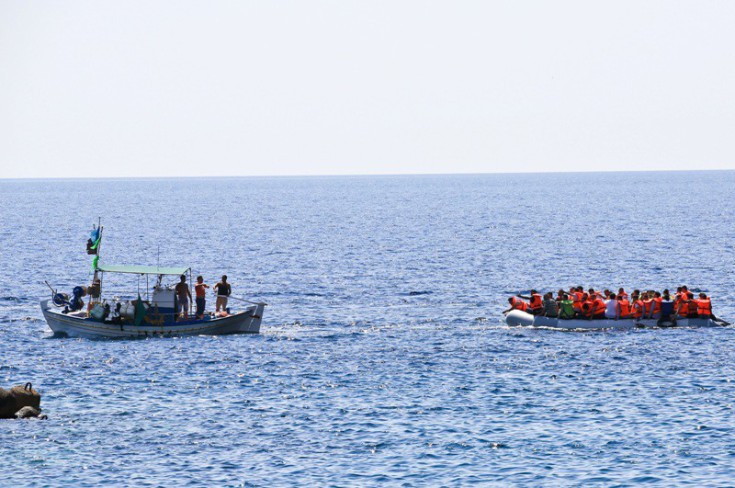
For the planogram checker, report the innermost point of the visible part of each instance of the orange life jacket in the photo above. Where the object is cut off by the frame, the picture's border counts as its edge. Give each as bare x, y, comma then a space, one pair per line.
657, 305
536, 302
620, 296
693, 306
681, 307
599, 306
704, 307
638, 308
624, 307
588, 308
647, 306
518, 304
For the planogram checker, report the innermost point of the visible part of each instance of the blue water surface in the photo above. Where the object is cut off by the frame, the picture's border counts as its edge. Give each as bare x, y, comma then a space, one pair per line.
383, 358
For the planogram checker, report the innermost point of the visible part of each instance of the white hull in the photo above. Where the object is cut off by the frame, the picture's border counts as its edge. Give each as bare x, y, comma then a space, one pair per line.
517, 318
245, 322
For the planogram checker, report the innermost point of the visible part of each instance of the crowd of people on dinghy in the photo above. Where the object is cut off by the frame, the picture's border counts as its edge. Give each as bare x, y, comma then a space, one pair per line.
590, 305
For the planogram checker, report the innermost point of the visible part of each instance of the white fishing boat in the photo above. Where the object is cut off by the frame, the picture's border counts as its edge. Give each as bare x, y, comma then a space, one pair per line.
150, 314
517, 318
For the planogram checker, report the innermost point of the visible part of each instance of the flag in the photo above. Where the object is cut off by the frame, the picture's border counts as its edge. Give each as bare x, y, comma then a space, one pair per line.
93, 243
94, 263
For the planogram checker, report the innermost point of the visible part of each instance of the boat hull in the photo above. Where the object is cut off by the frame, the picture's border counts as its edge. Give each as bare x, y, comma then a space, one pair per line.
245, 322
516, 318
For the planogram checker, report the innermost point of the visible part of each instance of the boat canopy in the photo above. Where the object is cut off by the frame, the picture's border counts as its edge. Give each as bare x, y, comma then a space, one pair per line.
150, 270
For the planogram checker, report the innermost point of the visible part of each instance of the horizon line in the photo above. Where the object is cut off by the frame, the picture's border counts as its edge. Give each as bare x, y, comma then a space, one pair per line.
337, 175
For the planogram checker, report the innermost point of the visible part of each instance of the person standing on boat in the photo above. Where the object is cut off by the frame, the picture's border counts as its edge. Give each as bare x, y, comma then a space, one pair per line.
183, 294
201, 300
222, 290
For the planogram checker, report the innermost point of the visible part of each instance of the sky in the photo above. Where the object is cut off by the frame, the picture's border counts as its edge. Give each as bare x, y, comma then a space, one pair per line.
279, 87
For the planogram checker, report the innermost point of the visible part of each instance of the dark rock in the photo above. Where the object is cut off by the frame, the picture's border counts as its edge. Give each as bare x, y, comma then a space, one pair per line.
29, 412
16, 398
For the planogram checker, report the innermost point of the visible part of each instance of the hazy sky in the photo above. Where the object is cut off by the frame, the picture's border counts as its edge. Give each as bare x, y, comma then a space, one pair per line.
272, 87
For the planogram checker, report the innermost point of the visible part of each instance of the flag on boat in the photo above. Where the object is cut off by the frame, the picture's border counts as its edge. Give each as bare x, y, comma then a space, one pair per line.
93, 243
95, 263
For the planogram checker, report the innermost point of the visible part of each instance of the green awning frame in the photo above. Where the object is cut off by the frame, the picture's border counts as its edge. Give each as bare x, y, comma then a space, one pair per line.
149, 270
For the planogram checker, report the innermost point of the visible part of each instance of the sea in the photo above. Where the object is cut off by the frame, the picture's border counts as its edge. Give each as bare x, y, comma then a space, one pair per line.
383, 357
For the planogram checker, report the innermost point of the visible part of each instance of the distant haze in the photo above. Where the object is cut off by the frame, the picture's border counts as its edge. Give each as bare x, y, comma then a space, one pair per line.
180, 88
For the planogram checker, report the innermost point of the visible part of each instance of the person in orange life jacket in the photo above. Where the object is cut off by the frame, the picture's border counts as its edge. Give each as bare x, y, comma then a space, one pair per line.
580, 292
577, 302
612, 309
516, 304
623, 307
622, 294
682, 305
655, 312
536, 302
678, 299
591, 292
606, 294
587, 307
638, 306
647, 299
598, 307
692, 306
704, 306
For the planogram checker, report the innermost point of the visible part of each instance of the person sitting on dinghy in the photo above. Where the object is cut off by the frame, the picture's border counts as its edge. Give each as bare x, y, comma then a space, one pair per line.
647, 299
704, 309
623, 307
656, 301
667, 310
536, 304
638, 306
692, 306
682, 305
516, 304
578, 299
566, 308
612, 310
551, 308
598, 306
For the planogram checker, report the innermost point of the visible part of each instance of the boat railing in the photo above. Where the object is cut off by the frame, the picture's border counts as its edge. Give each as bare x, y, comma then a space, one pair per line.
124, 295
247, 301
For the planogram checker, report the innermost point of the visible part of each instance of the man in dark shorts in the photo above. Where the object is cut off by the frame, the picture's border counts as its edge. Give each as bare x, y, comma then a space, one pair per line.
199, 289
183, 294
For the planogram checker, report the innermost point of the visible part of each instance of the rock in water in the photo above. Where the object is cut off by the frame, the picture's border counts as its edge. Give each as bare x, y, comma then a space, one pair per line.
29, 412
13, 400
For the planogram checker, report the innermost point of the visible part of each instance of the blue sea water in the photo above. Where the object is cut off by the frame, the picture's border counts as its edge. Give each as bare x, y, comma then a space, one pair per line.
383, 358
